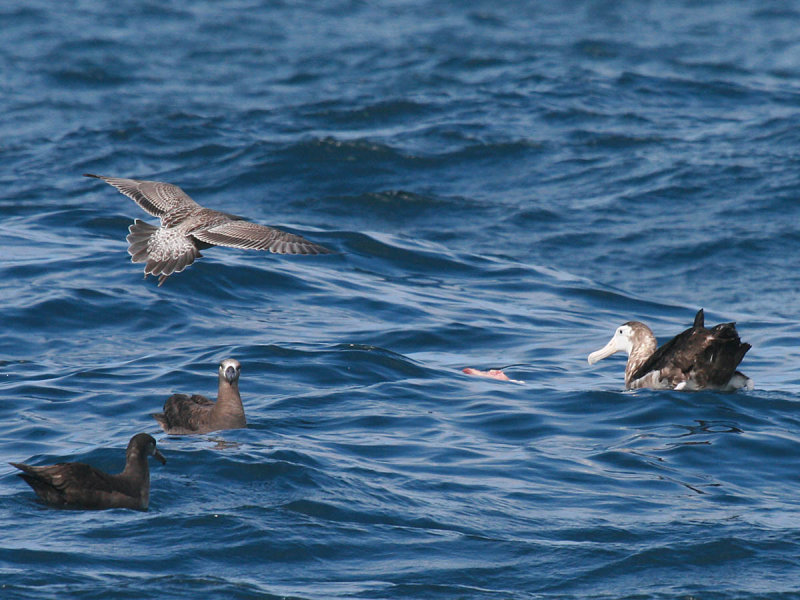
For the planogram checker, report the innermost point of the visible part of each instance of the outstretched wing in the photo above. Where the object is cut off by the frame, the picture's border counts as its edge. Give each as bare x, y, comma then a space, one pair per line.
155, 197
244, 234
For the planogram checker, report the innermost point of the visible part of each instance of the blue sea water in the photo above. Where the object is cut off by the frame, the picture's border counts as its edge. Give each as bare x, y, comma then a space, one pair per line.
503, 183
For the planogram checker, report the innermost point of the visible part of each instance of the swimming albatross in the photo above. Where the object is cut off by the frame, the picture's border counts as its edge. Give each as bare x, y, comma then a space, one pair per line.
197, 414
696, 359
78, 485
186, 228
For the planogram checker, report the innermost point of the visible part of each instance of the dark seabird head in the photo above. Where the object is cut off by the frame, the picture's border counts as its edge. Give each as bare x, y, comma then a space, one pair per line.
230, 369
143, 444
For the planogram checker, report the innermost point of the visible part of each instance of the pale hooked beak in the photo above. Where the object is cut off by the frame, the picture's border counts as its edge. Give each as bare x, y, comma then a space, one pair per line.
604, 352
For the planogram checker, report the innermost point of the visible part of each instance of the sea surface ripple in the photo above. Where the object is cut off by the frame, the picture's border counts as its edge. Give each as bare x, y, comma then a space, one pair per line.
502, 185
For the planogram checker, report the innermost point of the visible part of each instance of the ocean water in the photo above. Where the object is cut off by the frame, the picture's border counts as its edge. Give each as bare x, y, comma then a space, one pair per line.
503, 183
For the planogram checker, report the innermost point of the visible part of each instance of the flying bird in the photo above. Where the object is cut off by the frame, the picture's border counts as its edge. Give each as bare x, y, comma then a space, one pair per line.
197, 414
695, 359
187, 228
78, 485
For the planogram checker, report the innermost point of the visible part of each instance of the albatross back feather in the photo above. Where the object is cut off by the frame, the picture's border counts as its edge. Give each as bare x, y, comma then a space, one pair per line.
703, 357
185, 414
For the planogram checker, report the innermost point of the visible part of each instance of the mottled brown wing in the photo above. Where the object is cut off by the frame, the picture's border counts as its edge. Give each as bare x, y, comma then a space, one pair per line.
155, 197
244, 234
187, 412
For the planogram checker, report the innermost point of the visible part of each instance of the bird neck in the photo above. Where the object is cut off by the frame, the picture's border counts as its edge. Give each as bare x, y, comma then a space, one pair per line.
229, 402
136, 466
643, 344
135, 478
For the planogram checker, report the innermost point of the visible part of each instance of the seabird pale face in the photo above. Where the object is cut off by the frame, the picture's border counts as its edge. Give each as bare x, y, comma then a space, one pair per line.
230, 369
620, 342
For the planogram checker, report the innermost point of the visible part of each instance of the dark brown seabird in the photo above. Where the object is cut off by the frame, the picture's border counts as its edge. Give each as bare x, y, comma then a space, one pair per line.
78, 485
696, 359
186, 228
197, 414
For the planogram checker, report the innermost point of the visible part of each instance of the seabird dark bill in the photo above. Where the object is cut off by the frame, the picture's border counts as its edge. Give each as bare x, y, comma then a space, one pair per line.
197, 414
78, 485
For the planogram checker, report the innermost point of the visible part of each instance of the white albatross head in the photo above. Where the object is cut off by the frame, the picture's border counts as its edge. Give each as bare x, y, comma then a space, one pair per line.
621, 342
229, 369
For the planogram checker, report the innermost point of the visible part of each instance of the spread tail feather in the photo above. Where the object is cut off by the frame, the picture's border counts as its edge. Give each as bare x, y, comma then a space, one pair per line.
138, 238
162, 250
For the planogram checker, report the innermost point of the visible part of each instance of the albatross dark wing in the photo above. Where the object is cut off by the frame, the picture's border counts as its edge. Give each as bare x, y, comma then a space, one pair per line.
185, 413
723, 354
708, 356
244, 234
678, 353
68, 484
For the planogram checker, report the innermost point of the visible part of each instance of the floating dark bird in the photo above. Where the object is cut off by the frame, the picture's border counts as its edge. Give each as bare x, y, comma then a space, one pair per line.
186, 228
197, 414
78, 485
696, 359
